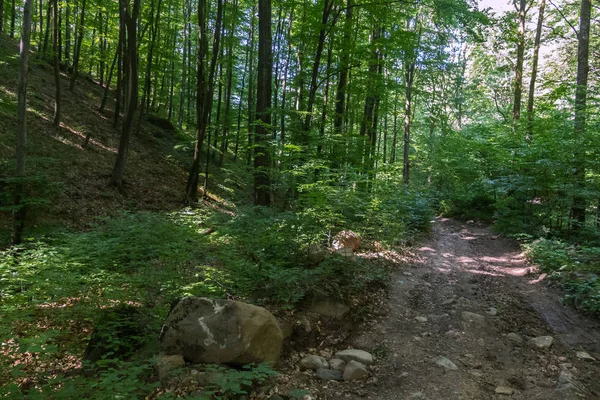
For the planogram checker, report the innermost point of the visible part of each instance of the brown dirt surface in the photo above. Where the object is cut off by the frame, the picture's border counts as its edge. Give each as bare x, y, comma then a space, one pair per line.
464, 267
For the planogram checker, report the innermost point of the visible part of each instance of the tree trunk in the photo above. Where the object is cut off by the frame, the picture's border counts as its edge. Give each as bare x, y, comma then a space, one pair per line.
19, 206
12, 19
534, 67
340, 106
284, 84
522, 10
204, 92
78, 42
55, 46
579, 131
327, 7
129, 14
109, 79
251, 105
239, 111
67, 32
1, 16
184, 65
119, 91
227, 123
262, 180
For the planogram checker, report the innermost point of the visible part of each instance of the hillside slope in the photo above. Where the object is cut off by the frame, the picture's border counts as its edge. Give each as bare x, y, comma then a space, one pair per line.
70, 181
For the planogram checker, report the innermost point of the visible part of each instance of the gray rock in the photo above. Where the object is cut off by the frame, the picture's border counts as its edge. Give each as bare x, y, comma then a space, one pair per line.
355, 370
492, 311
313, 362
542, 342
445, 363
513, 337
473, 318
221, 332
417, 395
355, 355
567, 382
328, 307
337, 364
582, 355
329, 374
505, 391
167, 364
421, 319
317, 253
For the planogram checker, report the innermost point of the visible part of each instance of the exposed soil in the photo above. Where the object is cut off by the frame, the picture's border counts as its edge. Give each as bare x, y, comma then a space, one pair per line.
465, 267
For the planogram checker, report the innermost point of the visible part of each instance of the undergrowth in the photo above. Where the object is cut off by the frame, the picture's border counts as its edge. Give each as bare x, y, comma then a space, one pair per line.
54, 289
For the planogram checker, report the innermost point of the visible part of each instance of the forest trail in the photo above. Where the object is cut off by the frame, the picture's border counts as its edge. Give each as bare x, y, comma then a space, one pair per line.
465, 268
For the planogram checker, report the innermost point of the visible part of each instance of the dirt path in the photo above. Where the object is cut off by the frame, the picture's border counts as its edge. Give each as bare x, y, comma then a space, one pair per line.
465, 268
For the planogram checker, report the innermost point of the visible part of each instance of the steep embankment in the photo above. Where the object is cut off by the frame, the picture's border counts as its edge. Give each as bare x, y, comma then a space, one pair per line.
69, 180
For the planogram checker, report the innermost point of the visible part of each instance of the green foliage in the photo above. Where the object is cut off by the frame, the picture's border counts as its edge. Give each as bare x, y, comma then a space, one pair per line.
575, 268
236, 383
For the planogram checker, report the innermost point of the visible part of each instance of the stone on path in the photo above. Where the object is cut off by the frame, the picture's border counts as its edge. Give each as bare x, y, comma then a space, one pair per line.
329, 374
355, 370
313, 362
355, 355
329, 307
505, 391
337, 364
582, 355
445, 363
513, 337
492, 311
542, 342
346, 239
421, 319
473, 318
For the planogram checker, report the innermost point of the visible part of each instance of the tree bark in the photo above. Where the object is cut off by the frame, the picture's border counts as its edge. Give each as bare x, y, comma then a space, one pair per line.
251, 105
204, 92
522, 10
55, 48
78, 41
262, 180
534, 67
12, 19
327, 8
129, 14
19, 207
340, 106
579, 130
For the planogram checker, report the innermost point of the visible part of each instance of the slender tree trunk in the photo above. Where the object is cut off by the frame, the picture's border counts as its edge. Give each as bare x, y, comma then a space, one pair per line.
395, 131
579, 130
78, 42
67, 32
19, 206
41, 26
12, 19
262, 180
340, 106
204, 92
119, 92
109, 79
522, 10
284, 85
55, 46
129, 14
239, 111
47, 32
1, 17
534, 67
227, 123
251, 105
327, 7
184, 65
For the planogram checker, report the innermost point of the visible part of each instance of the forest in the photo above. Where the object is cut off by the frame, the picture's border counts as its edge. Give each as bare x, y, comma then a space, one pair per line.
152, 150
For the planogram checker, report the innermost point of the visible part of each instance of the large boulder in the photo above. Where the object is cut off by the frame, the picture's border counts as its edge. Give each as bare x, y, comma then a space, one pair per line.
222, 332
346, 239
